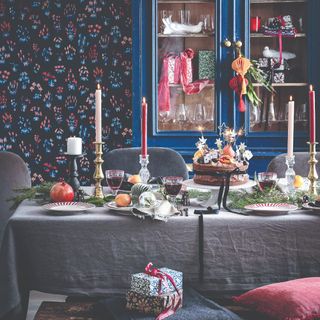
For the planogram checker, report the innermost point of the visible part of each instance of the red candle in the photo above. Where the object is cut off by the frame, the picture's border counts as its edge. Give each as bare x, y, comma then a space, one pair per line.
144, 116
312, 113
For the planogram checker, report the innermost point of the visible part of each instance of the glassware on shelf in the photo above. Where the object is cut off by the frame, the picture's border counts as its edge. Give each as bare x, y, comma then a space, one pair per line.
200, 113
271, 112
164, 14
184, 16
181, 113
302, 112
208, 23
267, 180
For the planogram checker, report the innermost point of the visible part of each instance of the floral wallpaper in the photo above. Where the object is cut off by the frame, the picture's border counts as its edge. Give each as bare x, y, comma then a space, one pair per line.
52, 54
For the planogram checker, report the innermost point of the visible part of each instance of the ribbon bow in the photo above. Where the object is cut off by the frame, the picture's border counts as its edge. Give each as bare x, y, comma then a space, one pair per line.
154, 272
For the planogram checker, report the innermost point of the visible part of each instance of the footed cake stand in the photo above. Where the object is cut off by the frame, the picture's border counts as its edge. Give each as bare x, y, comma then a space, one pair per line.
218, 193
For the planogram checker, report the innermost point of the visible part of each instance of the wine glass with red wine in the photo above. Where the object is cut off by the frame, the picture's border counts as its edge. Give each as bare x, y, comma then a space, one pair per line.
172, 186
267, 180
114, 180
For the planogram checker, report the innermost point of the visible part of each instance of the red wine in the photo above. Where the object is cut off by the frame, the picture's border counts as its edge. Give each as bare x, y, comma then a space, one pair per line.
173, 189
267, 184
114, 183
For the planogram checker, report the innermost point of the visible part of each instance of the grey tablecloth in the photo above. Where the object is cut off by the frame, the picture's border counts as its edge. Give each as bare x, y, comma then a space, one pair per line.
95, 253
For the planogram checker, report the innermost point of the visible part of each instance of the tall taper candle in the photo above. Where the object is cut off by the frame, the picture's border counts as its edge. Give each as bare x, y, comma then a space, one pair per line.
312, 113
98, 114
144, 117
290, 126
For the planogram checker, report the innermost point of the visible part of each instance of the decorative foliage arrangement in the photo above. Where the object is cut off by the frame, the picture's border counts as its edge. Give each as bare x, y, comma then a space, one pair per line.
52, 54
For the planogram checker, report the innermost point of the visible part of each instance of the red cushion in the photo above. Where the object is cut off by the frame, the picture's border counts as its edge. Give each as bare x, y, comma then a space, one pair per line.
291, 300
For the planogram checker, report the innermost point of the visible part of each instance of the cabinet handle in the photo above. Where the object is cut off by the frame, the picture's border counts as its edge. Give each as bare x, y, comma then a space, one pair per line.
238, 44
227, 43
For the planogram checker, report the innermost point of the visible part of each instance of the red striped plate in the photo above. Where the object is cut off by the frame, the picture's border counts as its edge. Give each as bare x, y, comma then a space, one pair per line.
63, 208
271, 208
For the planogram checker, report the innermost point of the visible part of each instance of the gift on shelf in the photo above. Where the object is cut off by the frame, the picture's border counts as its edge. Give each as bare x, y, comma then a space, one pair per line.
163, 281
154, 305
206, 64
272, 66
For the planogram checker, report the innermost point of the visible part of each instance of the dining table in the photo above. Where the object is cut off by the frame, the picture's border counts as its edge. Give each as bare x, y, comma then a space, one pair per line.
97, 251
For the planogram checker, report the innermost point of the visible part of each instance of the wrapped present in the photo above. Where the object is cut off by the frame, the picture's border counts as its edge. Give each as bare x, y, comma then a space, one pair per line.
278, 77
154, 305
173, 68
155, 282
206, 64
265, 63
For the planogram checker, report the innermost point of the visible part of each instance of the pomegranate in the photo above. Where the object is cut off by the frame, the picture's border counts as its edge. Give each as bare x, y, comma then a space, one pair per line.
228, 150
61, 192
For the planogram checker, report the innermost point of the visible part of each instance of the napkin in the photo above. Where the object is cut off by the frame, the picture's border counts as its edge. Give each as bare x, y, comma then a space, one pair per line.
162, 212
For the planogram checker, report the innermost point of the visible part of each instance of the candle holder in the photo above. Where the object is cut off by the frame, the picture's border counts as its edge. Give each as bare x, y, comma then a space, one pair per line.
313, 175
144, 172
98, 173
290, 174
73, 173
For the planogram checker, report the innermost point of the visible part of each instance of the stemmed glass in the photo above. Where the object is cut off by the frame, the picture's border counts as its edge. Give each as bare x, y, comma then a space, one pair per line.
114, 179
267, 180
172, 186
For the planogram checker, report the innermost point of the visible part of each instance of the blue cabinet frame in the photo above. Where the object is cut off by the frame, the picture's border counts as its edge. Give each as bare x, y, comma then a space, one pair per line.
233, 23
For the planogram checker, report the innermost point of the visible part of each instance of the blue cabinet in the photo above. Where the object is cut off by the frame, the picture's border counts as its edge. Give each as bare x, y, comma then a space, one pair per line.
196, 31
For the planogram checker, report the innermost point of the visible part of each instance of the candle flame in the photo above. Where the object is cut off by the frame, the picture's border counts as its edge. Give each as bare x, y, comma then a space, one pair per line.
311, 87
200, 128
98, 86
144, 100
290, 98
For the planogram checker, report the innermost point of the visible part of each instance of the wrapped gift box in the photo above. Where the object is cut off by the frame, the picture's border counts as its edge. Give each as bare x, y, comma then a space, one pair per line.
206, 64
153, 304
149, 285
279, 74
174, 69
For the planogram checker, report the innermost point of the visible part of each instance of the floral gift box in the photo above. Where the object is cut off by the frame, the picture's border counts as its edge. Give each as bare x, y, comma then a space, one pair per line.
153, 305
156, 285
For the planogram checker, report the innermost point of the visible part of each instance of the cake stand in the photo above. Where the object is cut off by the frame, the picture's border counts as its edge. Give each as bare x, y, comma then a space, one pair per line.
216, 190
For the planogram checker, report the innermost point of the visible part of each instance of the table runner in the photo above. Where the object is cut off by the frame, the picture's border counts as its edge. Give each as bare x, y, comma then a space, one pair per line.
96, 253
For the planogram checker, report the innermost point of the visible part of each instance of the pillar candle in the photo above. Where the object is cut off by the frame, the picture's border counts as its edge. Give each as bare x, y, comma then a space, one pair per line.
312, 114
290, 127
74, 146
98, 114
144, 117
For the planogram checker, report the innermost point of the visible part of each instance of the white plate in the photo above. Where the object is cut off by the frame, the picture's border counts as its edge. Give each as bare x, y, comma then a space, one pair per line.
112, 205
271, 208
64, 208
307, 206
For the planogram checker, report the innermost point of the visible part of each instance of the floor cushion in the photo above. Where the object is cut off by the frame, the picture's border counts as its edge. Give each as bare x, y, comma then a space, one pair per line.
291, 300
195, 307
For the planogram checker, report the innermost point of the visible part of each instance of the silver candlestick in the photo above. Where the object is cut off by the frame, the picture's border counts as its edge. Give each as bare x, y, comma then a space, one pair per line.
290, 174
144, 172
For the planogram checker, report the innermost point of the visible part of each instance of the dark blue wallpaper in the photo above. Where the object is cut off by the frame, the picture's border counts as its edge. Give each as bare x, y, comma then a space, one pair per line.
52, 54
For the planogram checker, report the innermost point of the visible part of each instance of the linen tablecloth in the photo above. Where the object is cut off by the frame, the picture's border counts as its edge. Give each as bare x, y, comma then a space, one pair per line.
96, 252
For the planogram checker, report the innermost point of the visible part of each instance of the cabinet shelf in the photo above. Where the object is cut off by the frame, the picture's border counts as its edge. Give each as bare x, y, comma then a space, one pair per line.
187, 35
173, 85
261, 35
288, 84
183, 1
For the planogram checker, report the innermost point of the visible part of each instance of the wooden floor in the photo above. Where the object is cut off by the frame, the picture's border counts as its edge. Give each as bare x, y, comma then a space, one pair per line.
37, 297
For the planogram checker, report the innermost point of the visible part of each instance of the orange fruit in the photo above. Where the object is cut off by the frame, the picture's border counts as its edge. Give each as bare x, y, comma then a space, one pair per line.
134, 179
122, 200
298, 181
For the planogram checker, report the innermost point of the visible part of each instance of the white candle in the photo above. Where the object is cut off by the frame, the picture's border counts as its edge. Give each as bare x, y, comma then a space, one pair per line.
98, 114
74, 146
290, 126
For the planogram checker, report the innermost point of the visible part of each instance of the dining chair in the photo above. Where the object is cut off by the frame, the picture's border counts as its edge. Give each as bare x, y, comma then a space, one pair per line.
301, 167
14, 174
163, 161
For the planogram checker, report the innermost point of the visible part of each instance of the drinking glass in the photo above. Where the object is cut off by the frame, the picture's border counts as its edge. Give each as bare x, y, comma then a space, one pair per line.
172, 185
181, 113
114, 179
184, 16
164, 14
200, 113
267, 180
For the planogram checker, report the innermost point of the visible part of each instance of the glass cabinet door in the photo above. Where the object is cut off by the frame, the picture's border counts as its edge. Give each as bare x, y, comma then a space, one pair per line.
269, 19
185, 49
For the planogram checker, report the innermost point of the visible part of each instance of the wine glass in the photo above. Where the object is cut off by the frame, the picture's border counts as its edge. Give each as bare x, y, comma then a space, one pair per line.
181, 113
172, 185
267, 180
200, 113
114, 179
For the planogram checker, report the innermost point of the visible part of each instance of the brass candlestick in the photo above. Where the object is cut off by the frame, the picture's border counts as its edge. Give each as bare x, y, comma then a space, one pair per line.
313, 175
98, 173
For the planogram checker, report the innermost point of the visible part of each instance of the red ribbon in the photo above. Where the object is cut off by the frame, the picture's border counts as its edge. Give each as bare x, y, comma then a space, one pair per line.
236, 84
162, 276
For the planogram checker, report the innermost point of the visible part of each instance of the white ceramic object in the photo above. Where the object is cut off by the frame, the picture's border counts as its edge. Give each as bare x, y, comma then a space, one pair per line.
113, 206
314, 209
179, 28
271, 208
270, 53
